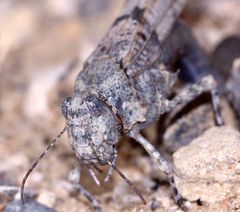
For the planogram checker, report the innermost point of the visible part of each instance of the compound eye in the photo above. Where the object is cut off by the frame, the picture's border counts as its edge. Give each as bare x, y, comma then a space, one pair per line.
65, 105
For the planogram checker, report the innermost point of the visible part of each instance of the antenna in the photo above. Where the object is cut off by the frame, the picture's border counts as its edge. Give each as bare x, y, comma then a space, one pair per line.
37, 162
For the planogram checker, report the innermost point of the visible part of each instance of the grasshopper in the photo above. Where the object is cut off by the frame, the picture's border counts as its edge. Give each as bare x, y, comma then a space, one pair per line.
125, 86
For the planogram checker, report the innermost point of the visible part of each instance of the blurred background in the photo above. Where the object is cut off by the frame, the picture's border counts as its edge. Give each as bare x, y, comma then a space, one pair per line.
42, 47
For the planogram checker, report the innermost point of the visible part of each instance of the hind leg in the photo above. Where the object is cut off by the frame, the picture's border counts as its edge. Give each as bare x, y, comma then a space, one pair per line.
206, 85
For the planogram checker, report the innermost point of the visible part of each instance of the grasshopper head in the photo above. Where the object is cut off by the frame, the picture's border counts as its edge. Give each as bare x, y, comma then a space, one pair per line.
91, 128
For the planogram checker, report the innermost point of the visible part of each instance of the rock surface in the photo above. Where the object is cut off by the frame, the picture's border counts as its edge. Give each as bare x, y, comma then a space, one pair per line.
209, 170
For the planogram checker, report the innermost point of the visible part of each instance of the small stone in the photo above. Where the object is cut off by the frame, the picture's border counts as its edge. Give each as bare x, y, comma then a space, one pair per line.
47, 198
155, 204
208, 168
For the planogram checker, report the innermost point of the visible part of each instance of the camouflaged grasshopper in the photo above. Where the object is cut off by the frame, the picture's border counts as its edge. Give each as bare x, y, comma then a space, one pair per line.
125, 86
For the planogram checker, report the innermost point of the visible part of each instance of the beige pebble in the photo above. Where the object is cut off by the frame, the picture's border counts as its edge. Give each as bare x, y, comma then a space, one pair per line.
209, 167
